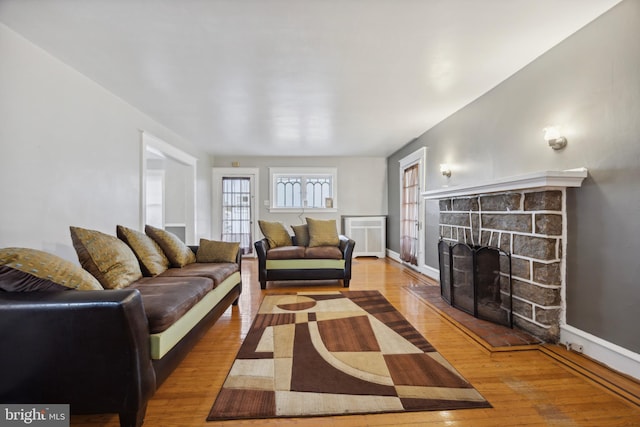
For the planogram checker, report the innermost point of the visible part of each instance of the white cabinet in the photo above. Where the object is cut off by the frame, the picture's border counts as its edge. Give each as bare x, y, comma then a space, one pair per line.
369, 233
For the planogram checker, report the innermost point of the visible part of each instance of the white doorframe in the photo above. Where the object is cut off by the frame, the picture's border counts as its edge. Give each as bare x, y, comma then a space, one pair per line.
152, 144
218, 175
418, 157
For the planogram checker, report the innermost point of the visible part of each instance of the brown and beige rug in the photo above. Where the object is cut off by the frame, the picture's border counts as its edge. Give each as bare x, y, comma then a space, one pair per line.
333, 353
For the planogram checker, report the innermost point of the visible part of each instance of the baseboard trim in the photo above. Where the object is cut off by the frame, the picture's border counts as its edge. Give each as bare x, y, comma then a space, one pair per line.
621, 385
394, 255
611, 355
427, 270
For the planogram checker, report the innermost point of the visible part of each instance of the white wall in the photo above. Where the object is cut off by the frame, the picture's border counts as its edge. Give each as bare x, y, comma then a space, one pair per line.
71, 153
362, 184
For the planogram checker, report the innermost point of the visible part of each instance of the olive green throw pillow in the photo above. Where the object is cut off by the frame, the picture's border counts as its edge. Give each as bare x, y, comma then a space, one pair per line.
275, 233
214, 251
323, 232
302, 234
29, 270
106, 257
152, 260
176, 251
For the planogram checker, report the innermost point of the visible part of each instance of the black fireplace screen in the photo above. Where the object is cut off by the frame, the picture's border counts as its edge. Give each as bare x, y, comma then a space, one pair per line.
477, 280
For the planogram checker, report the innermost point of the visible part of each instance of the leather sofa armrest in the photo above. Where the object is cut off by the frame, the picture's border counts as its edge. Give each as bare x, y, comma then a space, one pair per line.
346, 246
89, 349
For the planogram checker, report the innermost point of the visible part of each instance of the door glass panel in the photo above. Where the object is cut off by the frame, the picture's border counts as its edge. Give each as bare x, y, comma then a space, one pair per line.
236, 212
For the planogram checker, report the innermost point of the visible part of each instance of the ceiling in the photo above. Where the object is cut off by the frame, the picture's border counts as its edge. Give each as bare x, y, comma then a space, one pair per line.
298, 77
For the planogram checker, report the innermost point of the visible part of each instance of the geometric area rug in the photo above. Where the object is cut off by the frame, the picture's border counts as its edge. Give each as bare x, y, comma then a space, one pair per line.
337, 353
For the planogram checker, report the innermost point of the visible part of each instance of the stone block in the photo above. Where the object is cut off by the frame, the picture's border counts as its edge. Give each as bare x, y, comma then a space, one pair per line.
547, 274
543, 201
519, 267
549, 224
536, 294
504, 284
543, 248
509, 222
445, 204
501, 202
466, 204
523, 308
446, 231
475, 228
505, 242
468, 239
485, 238
550, 335
459, 219
547, 316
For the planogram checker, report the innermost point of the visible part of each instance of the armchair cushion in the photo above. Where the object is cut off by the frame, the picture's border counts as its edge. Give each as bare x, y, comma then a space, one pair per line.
286, 252
323, 252
275, 233
323, 232
302, 234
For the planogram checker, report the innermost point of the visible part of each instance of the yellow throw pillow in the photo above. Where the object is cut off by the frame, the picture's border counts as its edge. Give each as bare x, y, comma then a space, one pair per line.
302, 234
152, 260
275, 233
323, 232
214, 251
28, 270
176, 251
106, 257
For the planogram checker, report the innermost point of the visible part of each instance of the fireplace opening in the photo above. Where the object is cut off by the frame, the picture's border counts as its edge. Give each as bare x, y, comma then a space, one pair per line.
477, 280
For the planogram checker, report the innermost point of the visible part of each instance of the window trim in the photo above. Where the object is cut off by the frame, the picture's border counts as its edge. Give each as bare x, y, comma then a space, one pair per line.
274, 172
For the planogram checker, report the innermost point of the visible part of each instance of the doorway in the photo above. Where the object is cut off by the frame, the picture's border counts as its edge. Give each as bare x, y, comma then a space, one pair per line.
234, 209
168, 198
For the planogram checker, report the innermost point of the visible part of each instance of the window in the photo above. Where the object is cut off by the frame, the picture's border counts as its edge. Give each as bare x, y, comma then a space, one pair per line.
295, 189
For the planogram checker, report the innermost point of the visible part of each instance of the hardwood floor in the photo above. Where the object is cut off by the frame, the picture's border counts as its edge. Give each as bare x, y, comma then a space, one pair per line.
526, 388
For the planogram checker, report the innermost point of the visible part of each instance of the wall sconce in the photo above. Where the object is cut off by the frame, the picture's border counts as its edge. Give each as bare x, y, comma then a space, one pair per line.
553, 137
445, 170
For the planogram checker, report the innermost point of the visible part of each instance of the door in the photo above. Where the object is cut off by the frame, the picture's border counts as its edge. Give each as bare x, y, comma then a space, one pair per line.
411, 208
236, 212
234, 207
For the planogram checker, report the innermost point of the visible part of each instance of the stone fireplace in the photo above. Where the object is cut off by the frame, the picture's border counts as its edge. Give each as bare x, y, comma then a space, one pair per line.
526, 217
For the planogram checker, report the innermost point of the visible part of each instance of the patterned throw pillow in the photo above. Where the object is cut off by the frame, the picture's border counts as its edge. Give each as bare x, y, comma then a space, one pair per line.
176, 251
106, 257
302, 234
323, 232
28, 270
214, 251
152, 260
275, 233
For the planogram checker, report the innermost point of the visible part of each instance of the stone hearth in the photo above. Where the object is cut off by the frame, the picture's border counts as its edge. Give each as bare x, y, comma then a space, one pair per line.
529, 223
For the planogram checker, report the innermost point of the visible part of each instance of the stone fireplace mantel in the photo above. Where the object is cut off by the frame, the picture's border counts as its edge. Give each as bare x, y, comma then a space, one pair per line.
524, 216
541, 179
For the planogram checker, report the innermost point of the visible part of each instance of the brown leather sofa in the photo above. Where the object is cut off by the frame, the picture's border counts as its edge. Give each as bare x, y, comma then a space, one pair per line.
304, 263
103, 351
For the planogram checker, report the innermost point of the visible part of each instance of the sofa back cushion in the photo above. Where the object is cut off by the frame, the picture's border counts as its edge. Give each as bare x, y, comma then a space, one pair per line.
106, 257
323, 232
214, 251
152, 259
275, 233
28, 270
176, 251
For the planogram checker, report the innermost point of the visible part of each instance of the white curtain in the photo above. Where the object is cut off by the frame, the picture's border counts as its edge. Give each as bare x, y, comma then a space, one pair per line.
409, 215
